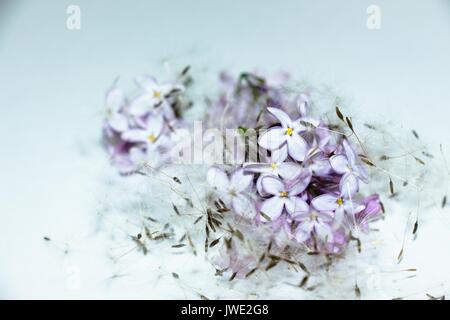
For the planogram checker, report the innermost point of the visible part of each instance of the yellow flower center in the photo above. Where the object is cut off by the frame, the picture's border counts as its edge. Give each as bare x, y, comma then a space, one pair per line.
157, 94
283, 194
289, 131
274, 165
340, 201
151, 138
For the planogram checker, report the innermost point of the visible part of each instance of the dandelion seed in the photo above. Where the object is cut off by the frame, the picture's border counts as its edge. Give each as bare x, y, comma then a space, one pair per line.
185, 71
400, 256
357, 291
349, 123
419, 161
304, 281
176, 209
367, 125
272, 264
176, 180
391, 186
251, 272
339, 114
198, 219
203, 297
213, 243
416, 226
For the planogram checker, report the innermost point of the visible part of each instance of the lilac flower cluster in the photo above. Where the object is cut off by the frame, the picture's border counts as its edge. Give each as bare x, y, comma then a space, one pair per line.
137, 130
307, 184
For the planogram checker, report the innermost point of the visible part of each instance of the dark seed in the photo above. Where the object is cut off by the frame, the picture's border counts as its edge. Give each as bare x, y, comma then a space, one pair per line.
339, 113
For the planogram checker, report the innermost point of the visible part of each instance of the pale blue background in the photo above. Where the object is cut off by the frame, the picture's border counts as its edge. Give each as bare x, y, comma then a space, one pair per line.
52, 82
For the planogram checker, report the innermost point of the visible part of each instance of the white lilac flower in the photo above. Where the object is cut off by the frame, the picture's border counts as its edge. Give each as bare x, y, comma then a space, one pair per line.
155, 96
148, 135
232, 190
315, 222
284, 195
341, 204
114, 102
347, 164
285, 136
276, 166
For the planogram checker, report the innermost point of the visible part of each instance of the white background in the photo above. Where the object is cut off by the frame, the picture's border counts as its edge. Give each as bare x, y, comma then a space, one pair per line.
52, 82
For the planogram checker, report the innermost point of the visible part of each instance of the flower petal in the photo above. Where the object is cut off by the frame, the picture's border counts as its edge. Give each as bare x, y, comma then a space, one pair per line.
114, 99
135, 135
218, 179
323, 231
348, 185
297, 147
138, 156
339, 163
272, 138
339, 215
325, 202
240, 181
349, 152
282, 116
296, 205
146, 82
325, 217
361, 172
299, 185
352, 207
301, 235
272, 207
155, 124
257, 167
272, 185
302, 102
289, 170
141, 105
118, 122
259, 186
280, 154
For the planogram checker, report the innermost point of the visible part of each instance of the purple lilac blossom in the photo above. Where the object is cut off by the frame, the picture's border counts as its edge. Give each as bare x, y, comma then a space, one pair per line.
138, 130
308, 186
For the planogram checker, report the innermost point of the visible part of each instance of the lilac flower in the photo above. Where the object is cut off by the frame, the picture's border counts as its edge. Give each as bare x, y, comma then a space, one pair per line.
284, 195
232, 190
341, 203
318, 162
148, 135
276, 167
302, 102
125, 156
371, 211
315, 222
155, 95
347, 164
338, 242
114, 102
233, 261
285, 136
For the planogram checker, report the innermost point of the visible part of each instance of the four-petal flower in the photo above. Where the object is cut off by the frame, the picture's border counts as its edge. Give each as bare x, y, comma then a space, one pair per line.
285, 195
285, 136
232, 189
